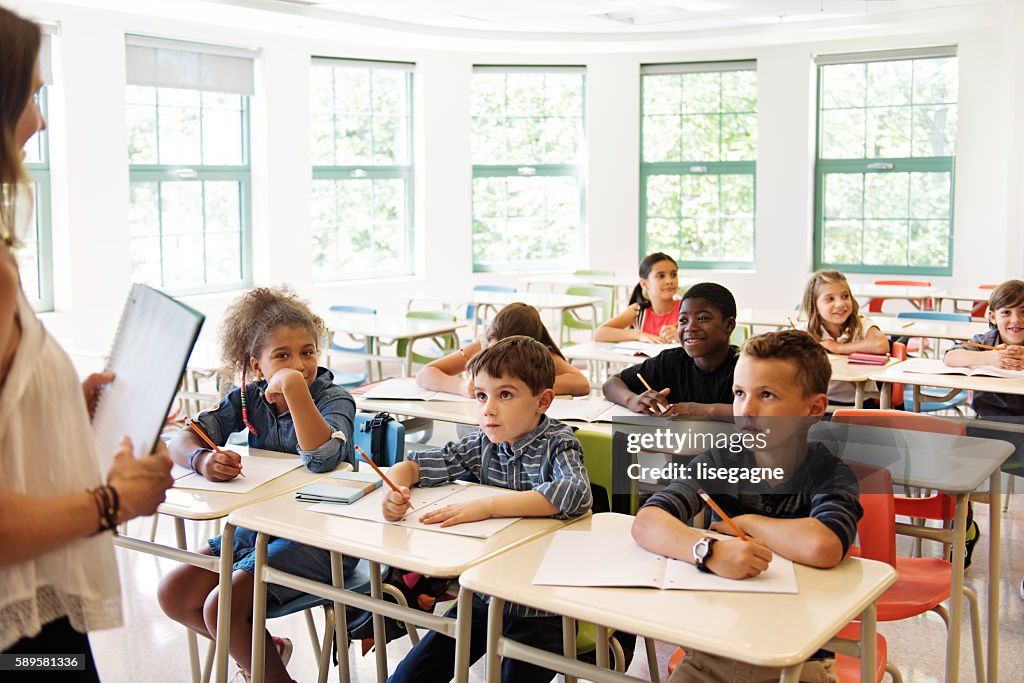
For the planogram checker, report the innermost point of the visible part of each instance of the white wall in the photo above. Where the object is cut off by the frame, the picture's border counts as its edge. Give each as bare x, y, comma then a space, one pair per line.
90, 183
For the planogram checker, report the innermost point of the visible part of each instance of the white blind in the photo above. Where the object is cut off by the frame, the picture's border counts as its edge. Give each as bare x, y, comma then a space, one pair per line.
699, 67
196, 66
364, 64
886, 55
46, 52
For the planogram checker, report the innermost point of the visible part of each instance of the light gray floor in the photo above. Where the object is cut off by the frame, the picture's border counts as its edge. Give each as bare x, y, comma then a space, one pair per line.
152, 648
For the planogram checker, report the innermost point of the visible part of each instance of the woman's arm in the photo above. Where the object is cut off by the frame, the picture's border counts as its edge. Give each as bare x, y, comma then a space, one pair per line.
569, 379
444, 374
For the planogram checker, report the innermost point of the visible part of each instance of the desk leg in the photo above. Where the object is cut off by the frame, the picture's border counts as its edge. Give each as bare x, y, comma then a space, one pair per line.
569, 643
858, 395
224, 604
407, 361
463, 634
340, 622
494, 613
917, 398
601, 636
994, 531
791, 674
956, 595
191, 637
259, 611
380, 644
868, 644
885, 401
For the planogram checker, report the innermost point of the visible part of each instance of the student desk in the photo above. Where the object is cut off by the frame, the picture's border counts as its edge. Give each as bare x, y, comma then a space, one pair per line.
954, 382
375, 327
622, 286
767, 629
858, 374
956, 465
958, 295
200, 506
596, 353
495, 301
427, 552
890, 325
863, 290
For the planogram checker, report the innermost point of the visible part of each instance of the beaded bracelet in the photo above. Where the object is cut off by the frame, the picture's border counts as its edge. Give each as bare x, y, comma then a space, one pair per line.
195, 454
108, 505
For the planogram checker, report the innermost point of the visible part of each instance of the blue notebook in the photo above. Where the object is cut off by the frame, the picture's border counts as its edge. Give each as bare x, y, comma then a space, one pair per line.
340, 487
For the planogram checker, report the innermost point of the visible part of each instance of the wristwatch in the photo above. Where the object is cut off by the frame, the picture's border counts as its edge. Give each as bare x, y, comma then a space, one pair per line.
702, 550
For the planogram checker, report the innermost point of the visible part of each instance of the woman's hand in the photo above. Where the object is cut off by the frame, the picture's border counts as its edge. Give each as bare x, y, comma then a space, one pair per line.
92, 386
140, 482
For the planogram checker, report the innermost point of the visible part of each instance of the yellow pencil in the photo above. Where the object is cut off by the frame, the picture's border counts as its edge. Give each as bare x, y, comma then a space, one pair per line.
641, 378
721, 513
362, 454
903, 327
198, 431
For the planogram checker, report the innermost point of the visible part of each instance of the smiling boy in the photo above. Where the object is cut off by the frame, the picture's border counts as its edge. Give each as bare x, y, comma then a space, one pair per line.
695, 379
809, 516
519, 448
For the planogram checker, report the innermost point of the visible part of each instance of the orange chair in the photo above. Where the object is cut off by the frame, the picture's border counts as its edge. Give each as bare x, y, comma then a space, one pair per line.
923, 583
875, 305
979, 308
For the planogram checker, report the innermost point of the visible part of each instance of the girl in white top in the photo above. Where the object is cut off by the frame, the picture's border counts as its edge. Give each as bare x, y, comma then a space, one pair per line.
833, 318
58, 575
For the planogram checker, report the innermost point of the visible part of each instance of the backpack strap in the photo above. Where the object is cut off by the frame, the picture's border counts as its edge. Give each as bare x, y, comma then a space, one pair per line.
378, 428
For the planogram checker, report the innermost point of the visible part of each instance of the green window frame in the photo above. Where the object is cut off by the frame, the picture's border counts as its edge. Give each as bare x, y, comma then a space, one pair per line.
698, 163
361, 144
529, 189
885, 161
35, 256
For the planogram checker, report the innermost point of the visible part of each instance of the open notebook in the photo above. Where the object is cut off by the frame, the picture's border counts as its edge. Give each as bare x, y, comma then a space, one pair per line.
259, 467
425, 500
153, 342
407, 389
613, 558
933, 366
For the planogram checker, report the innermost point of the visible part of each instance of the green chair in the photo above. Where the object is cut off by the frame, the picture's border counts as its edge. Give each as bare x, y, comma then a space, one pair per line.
572, 321
600, 273
442, 344
740, 335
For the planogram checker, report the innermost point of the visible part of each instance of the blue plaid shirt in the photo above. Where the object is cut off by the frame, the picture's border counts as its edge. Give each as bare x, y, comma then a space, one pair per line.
549, 460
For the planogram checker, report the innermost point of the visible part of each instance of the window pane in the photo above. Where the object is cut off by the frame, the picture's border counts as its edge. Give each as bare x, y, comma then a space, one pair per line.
179, 137
222, 129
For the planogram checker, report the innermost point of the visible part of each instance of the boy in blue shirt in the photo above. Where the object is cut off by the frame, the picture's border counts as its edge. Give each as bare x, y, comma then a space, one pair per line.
519, 448
810, 516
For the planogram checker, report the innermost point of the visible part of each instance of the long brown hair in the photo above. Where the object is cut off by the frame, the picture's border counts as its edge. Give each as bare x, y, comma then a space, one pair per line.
19, 49
852, 327
521, 319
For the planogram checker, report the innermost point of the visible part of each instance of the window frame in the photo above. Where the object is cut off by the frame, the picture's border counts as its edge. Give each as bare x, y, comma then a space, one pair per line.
826, 166
528, 170
403, 172
697, 167
186, 173
39, 174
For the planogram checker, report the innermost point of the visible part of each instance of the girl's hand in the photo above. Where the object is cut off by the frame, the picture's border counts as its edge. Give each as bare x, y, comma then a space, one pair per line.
395, 505
737, 559
92, 386
278, 382
140, 482
650, 402
450, 515
651, 338
669, 334
1010, 357
223, 466
832, 346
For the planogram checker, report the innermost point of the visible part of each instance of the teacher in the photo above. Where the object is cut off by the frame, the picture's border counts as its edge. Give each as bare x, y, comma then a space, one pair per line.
58, 573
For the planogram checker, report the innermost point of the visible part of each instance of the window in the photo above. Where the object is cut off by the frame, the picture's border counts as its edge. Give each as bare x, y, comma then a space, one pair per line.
527, 147
35, 257
188, 146
362, 169
884, 177
699, 133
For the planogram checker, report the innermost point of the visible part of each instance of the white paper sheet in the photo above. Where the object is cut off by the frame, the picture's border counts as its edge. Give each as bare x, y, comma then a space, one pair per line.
258, 470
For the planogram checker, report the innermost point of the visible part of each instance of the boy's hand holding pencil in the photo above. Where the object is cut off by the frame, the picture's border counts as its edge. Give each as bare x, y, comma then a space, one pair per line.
742, 557
397, 501
650, 402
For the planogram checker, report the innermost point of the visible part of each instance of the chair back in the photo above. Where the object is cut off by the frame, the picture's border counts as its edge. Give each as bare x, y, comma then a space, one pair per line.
572, 321
344, 308
898, 419
979, 308
597, 458
875, 305
876, 531
599, 273
443, 344
505, 289
936, 315
899, 352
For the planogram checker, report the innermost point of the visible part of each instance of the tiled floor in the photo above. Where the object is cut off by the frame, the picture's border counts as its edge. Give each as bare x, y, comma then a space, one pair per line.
152, 648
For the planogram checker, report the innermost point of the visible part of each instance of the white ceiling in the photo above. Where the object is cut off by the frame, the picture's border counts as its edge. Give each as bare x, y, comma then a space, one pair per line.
610, 17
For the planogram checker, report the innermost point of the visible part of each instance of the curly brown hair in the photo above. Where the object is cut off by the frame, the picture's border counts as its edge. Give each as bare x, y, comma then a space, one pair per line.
252, 318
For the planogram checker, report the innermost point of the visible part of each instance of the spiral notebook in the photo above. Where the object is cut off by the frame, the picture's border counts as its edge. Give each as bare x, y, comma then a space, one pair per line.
151, 347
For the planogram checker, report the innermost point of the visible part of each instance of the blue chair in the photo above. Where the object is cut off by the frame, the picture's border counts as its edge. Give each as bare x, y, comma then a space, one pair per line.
935, 316
933, 399
359, 582
471, 309
351, 379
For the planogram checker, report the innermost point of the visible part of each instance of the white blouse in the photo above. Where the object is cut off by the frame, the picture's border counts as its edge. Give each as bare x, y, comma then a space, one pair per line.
46, 449
845, 392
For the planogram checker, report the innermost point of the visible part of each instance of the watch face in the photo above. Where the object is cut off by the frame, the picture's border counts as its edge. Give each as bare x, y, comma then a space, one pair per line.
700, 550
